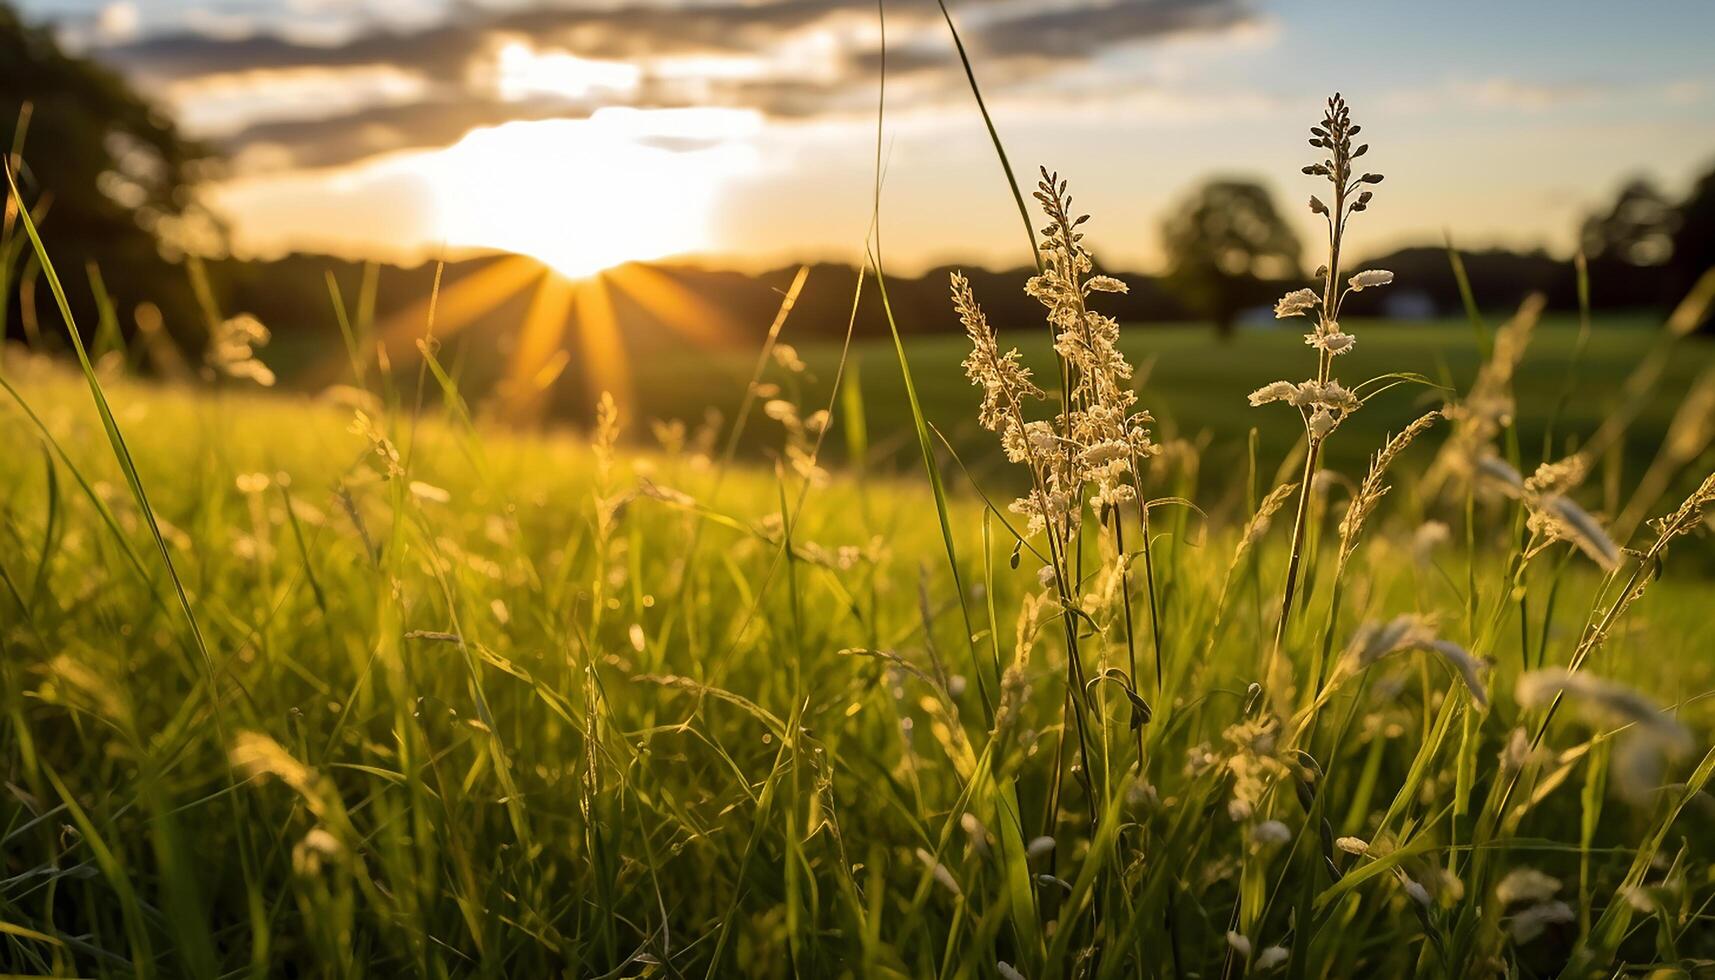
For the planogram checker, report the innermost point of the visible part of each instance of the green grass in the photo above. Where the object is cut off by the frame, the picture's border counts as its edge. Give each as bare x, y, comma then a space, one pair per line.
1196, 385
507, 737
292, 690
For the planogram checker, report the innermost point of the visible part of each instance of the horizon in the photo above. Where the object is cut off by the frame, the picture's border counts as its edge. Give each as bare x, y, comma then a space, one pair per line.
744, 136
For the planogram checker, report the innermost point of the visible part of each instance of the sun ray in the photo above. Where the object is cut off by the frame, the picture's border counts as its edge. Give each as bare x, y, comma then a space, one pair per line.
461, 303
605, 367
673, 304
540, 346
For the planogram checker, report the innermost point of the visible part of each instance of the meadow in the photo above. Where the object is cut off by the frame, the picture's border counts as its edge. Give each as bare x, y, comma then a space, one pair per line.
360, 685
1195, 384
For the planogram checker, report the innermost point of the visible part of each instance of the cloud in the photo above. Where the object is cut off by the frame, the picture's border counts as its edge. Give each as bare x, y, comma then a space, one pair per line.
321, 142
1080, 31
792, 59
1511, 93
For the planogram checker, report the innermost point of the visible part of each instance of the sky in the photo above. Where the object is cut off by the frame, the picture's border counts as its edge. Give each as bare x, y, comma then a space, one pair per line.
591, 132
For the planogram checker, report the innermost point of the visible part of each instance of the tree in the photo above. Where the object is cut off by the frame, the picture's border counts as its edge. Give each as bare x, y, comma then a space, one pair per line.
106, 173
1694, 235
1221, 243
1637, 230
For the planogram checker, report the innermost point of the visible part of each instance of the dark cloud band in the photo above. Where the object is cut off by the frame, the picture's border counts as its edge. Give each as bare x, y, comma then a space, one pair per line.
1014, 47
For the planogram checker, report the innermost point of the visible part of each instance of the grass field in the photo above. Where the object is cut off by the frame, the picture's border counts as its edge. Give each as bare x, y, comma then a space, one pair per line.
1195, 384
360, 685
499, 709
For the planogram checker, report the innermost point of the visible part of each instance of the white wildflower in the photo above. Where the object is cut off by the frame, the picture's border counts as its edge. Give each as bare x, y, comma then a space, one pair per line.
1239, 943
429, 492
1353, 845
1271, 832
1333, 341
1274, 391
1271, 957
1526, 885
1322, 422
1369, 278
787, 357
942, 876
1533, 921
1295, 303
1417, 892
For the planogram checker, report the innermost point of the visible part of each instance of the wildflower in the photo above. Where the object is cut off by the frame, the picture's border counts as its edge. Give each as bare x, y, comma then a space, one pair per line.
385, 457
316, 847
1271, 832
1532, 922
232, 349
1526, 885
322, 842
1254, 764
787, 357
1417, 893
1272, 956
1331, 341
939, 871
429, 492
1353, 845
1369, 279
1239, 943
1321, 423
1007, 971
1039, 847
252, 482
1274, 391
1295, 303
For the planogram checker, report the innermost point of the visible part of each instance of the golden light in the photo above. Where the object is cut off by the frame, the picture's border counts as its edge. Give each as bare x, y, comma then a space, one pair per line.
593, 200
521, 71
586, 194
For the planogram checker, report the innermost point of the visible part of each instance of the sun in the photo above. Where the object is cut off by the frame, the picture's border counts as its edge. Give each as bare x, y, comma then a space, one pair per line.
582, 195
592, 200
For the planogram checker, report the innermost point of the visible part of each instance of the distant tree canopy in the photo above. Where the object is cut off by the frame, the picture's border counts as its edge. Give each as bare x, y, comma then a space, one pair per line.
1646, 249
106, 173
1637, 229
1694, 235
1221, 243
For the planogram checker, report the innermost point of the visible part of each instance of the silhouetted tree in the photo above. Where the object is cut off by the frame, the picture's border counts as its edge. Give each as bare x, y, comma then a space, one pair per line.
1694, 236
1637, 229
1220, 243
107, 173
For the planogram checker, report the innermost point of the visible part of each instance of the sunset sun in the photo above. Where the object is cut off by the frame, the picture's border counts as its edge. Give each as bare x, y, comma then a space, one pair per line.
584, 195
